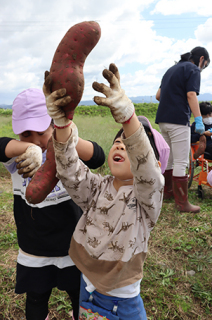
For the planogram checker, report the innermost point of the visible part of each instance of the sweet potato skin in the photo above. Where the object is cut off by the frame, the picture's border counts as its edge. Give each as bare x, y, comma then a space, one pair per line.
66, 72
67, 65
44, 179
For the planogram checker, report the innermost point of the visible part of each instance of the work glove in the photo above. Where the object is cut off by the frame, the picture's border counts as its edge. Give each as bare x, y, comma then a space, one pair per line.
199, 126
120, 105
55, 101
29, 161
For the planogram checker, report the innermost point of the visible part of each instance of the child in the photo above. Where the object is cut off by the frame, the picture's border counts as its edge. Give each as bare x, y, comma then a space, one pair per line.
44, 230
109, 244
209, 178
205, 141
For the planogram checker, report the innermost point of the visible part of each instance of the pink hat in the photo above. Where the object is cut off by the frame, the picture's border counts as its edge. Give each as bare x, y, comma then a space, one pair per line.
161, 145
30, 112
209, 177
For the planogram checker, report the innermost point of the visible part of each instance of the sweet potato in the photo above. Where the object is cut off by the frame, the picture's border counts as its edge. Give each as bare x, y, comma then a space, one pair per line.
67, 65
66, 72
44, 179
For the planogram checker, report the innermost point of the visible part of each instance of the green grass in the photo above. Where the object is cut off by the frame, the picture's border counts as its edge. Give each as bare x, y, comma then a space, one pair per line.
149, 109
179, 243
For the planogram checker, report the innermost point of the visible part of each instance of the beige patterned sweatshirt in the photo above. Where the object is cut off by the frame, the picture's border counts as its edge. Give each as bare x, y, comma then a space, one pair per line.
109, 244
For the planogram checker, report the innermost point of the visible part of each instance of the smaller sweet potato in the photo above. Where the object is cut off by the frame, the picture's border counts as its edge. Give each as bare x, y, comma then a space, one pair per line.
44, 179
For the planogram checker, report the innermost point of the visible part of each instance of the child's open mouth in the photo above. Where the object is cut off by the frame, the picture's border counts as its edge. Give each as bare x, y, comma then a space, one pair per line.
118, 158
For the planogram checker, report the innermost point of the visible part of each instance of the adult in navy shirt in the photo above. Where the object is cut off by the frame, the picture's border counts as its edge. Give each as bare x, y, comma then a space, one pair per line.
177, 94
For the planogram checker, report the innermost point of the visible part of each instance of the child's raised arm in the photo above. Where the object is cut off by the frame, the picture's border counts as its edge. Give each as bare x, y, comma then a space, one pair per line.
121, 106
29, 156
55, 101
15, 148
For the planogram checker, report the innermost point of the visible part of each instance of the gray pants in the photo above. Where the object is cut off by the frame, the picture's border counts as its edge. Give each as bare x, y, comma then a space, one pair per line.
178, 138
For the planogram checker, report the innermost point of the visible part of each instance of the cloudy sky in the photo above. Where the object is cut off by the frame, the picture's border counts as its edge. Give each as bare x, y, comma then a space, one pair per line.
142, 37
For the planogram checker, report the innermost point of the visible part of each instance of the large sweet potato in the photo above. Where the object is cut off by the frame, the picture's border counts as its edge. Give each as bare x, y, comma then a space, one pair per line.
66, 72
67, 65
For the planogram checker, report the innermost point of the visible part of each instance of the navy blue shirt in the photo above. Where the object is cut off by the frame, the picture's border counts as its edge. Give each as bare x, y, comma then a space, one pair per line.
176, 83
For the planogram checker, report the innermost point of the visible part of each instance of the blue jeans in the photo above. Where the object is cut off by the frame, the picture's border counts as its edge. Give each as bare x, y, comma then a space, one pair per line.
128, 308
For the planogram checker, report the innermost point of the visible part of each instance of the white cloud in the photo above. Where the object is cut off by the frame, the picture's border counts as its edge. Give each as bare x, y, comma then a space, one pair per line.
30, 34
204, 31
177, 7
35, 29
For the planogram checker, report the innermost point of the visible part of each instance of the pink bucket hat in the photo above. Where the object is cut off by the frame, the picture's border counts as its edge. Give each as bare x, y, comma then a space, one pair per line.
30, 112
161, 145
209, 178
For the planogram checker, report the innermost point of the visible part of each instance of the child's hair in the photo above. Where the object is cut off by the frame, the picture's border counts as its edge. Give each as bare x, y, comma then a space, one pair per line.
159, 145
149, 135
195, 54
205, 108
118, 135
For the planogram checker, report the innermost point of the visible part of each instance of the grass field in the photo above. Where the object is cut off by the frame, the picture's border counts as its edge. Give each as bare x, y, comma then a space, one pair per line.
177, 281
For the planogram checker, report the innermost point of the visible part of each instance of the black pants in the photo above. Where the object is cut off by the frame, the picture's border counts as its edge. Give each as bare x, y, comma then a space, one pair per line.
37, 304
208, 152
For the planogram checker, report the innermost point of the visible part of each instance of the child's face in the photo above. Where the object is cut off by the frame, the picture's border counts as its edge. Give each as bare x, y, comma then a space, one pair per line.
38, 138
118, 161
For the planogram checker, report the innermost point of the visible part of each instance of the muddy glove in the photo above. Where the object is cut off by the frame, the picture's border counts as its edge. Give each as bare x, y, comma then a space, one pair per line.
29, 161
55, 101
199, 126
121, 106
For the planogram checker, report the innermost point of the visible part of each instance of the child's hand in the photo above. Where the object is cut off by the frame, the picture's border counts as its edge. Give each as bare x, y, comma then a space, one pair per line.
55, 102
207, 133
120, 105
30, 161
